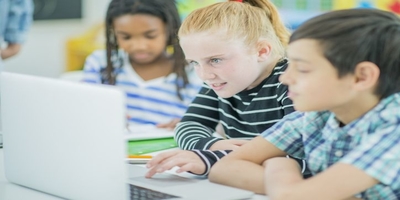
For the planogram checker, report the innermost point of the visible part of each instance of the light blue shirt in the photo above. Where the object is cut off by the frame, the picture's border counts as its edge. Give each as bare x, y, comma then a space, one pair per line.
15, 20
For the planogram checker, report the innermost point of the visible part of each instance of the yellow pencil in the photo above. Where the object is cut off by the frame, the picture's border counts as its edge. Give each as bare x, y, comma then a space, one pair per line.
140, 156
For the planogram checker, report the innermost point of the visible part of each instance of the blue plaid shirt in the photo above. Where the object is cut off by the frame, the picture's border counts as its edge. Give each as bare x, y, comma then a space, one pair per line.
370, 143
15, 20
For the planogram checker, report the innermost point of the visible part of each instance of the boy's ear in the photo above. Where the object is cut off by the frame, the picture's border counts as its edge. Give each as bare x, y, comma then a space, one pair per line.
264, 50
367, 75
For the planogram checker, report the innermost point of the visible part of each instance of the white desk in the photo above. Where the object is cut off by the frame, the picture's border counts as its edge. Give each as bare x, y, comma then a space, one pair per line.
10, 191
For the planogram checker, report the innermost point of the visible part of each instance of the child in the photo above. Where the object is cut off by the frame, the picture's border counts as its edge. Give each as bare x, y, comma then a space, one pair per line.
344, 78
239, 54
144, 59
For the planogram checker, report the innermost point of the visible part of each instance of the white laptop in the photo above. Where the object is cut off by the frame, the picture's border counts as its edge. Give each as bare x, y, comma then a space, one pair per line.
67, 139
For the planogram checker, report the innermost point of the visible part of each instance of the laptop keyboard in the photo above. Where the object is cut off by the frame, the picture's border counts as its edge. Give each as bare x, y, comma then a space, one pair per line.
140, 193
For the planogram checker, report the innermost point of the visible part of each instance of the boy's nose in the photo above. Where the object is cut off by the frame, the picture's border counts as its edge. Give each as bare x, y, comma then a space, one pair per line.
285, 78
282, 78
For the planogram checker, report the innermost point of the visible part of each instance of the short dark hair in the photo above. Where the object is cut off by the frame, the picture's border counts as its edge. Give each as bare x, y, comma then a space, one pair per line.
348, 37
165, 10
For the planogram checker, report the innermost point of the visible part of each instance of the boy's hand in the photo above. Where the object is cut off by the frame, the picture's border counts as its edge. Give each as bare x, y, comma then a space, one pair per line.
170, 125
230, 144
185, 160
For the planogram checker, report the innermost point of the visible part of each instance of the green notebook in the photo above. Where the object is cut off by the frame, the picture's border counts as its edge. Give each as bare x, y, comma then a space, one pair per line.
149, 146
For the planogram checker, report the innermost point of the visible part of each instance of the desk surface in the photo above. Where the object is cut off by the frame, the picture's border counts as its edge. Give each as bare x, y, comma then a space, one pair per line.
10, 191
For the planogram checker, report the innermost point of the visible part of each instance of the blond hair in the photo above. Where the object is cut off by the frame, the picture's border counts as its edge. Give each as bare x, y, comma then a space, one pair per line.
250, 21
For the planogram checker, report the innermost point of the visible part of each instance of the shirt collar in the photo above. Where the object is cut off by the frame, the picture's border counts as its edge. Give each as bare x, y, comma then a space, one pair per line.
359, 125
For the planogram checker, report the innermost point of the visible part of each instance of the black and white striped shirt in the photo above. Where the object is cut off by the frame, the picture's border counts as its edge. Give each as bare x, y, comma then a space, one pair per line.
243, 116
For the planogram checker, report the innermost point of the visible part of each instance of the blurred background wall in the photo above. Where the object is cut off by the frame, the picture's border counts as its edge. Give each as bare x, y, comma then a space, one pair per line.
59, 45
43, 53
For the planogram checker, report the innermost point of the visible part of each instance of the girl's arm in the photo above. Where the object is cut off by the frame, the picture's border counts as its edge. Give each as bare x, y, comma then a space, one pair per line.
196, 161
243, 168
198, 124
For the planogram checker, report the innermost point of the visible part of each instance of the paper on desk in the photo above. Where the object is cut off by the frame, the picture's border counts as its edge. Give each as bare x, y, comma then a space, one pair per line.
137, 160
145, 132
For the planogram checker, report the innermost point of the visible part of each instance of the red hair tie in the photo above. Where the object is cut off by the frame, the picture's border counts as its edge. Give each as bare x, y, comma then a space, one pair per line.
240, 1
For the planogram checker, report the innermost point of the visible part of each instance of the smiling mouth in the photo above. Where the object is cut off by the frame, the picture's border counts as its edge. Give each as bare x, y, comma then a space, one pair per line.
217, 86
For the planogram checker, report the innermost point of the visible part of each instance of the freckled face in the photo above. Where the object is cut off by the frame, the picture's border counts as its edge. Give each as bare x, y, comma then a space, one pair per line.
228, 67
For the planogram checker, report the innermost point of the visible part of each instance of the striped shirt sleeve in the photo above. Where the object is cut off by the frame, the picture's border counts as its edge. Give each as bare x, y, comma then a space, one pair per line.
209, 158
198, 124
93, 64
287, 104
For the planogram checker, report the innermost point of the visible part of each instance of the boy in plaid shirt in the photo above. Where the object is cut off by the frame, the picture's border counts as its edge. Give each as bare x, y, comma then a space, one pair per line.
344, 80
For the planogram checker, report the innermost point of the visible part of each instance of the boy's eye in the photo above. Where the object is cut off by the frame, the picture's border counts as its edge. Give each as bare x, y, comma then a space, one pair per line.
299, 68
302, 70
216, 60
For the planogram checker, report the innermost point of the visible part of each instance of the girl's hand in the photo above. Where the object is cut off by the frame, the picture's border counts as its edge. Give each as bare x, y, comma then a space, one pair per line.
230, 144
185, 160
170, 125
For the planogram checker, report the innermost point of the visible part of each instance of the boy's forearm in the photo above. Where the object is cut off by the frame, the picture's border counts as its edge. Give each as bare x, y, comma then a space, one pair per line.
281, 174
283, 182
240, 174
242, 168
353, 198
